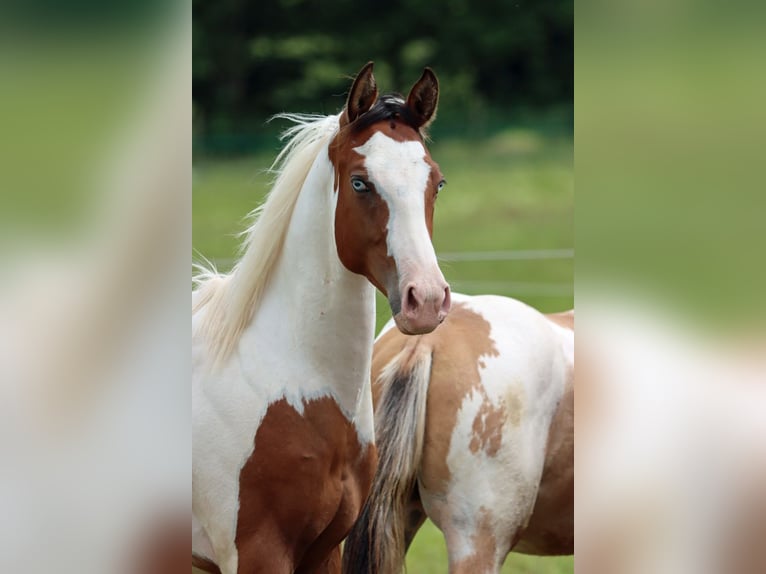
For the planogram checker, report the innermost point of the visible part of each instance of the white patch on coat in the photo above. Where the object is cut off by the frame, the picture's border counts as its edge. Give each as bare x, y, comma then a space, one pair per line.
530, 367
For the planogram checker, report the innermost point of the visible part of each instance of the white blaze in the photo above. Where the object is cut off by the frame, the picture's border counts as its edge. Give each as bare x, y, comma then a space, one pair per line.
399, 172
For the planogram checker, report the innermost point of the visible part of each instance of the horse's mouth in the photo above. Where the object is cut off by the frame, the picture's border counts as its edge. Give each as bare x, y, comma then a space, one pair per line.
421, 328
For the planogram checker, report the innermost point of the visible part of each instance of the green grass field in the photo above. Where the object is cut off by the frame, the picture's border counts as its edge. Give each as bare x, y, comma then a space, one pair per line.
511, 191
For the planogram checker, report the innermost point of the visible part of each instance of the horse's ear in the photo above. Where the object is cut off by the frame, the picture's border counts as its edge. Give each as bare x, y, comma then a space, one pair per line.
424, 97
364, 92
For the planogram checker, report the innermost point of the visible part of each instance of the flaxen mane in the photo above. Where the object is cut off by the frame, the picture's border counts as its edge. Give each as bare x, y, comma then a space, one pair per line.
230, 300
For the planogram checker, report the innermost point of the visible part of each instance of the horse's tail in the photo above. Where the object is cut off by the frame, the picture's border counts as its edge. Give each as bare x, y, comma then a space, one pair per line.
376, 544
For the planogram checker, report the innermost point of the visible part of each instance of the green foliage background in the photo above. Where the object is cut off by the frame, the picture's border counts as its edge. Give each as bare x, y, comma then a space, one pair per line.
494, 58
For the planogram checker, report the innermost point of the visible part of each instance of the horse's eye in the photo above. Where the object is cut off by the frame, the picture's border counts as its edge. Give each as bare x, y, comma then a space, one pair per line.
441, 185
359, 185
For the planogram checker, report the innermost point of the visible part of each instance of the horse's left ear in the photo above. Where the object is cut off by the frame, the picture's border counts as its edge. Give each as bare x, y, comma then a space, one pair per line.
424, 97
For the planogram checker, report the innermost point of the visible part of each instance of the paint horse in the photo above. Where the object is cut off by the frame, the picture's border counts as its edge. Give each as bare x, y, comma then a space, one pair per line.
474, 429
283, 450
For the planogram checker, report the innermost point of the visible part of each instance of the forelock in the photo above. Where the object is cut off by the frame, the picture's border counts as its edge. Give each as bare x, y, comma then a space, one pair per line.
389, 107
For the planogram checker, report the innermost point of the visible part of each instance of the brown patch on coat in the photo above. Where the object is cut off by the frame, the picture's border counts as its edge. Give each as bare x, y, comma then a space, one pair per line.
514, 406
205, 564
302, 488
461, 343
488, 428
550, 531
361, 219
483, 559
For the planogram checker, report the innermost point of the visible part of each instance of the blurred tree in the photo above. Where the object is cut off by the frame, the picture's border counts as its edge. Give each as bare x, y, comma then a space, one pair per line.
255, 58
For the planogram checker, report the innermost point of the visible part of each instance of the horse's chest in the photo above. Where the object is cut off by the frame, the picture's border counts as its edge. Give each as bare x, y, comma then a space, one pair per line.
305, 481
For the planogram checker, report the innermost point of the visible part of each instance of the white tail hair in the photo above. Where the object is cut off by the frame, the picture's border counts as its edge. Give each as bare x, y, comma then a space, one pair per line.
230, 300
376, 543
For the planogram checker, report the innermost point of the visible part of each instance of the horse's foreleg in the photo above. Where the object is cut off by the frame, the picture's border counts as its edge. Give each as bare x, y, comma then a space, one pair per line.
472, 553
264, 553
329, 566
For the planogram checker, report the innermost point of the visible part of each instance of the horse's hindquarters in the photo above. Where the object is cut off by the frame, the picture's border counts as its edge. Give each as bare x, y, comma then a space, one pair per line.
497, 376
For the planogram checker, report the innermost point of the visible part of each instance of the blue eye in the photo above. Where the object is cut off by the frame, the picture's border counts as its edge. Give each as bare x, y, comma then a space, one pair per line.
359, 185
441, 185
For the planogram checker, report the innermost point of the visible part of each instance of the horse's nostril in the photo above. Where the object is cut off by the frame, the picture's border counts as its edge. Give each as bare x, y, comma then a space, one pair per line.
447, 302
412, 301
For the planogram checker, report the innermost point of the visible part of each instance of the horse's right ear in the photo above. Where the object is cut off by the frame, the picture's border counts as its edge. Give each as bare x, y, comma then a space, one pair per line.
364, 92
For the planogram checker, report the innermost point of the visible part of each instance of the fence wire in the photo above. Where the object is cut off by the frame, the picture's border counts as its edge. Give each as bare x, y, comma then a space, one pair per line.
491, 286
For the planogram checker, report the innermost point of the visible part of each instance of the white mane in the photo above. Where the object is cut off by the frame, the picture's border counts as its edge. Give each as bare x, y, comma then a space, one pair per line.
230, 300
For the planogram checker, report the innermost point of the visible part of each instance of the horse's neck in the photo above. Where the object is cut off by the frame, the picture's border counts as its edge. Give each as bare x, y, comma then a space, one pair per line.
317, 311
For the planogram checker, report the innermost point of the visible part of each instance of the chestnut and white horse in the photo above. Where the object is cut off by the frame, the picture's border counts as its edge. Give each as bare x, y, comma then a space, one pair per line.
474, 429
283, 450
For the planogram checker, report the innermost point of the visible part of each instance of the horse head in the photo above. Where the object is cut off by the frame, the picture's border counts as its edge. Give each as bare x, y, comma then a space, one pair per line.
387, 186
